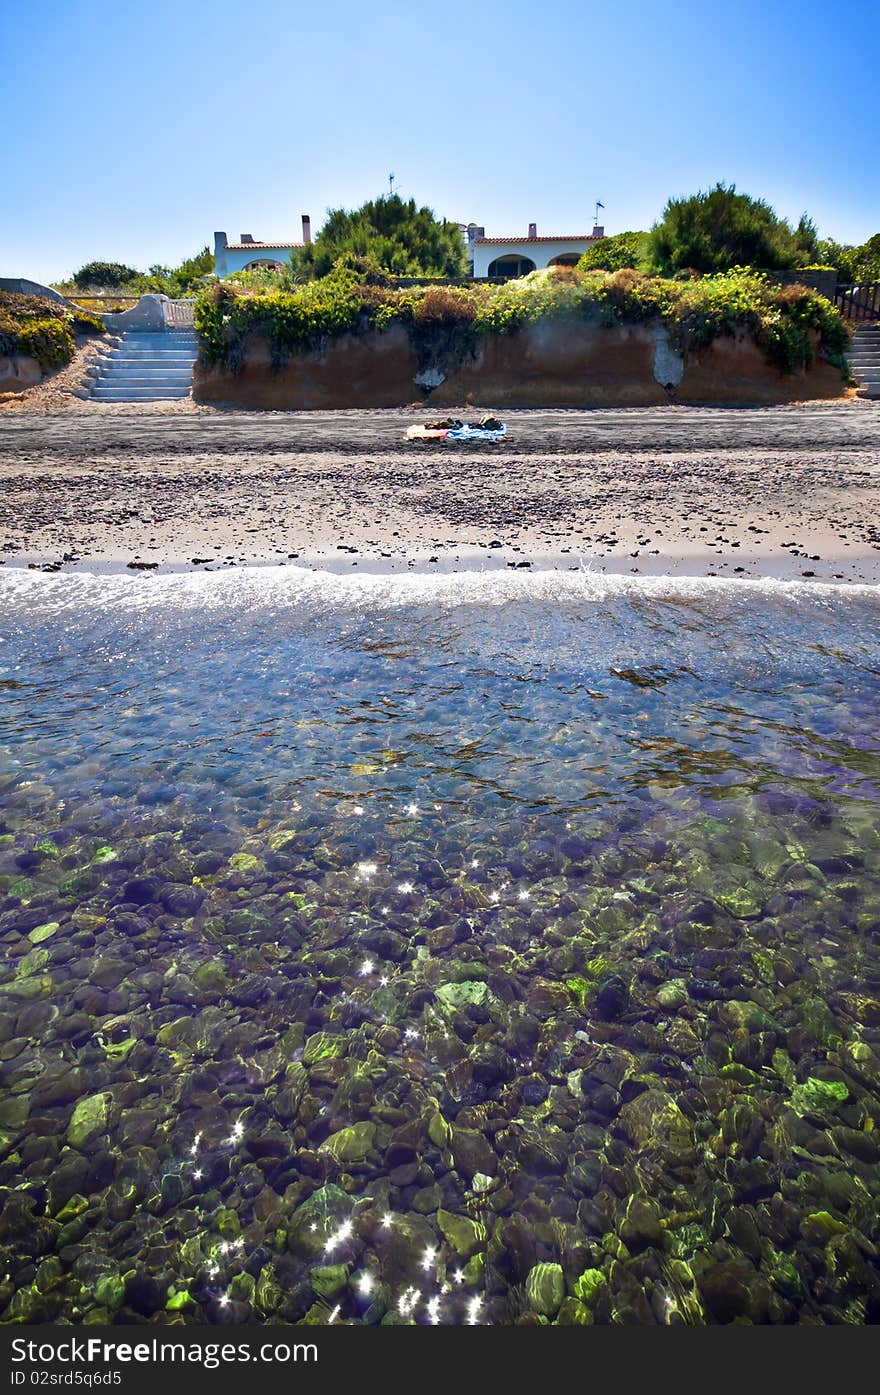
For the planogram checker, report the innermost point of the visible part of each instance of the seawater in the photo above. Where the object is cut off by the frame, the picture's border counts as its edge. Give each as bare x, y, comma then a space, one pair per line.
476, 948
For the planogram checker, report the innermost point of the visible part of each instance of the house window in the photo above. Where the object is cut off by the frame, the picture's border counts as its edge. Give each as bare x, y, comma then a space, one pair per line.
565, 259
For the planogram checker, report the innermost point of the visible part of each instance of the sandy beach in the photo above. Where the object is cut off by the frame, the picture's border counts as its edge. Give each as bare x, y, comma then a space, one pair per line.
786, 491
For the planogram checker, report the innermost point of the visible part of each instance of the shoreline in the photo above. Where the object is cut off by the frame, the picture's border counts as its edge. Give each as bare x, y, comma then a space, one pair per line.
680, 568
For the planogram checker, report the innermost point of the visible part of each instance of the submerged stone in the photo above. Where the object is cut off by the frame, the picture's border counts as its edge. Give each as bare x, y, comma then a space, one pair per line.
457, 997
818, 1096
351, 1144
90, 1118
545, 1289
463, 1234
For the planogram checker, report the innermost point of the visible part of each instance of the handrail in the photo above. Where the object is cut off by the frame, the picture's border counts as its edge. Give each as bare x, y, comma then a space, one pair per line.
859, 302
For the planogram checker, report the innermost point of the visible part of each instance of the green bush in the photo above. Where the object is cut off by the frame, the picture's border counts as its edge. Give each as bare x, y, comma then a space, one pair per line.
159, 280
103, 276
853, 264
445, 322
722, 229
626, 249
42, 329
397, 236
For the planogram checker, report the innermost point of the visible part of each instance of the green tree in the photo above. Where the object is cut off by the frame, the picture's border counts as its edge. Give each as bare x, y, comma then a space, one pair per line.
392, 233
854, 264
626, 249
722, 229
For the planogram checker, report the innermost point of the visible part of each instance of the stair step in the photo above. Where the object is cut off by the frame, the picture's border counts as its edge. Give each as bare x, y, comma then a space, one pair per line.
147, 370
146, 367
104, 394
158, 383
148, 357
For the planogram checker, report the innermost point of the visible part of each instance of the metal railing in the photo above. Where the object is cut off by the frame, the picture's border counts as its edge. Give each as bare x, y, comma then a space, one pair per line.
179, 314
859, 303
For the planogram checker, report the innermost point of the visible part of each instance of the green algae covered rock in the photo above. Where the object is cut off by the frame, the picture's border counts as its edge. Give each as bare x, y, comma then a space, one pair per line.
589, 1286
180, 1300
312, 1224
672, 994
323, 1046
89, 1119
464, 1236
44, 932
574, 1314
818, 1096
545, 1289
329, 1280
245, 862
439, 1131
351, 1144
653, 1118
458, 997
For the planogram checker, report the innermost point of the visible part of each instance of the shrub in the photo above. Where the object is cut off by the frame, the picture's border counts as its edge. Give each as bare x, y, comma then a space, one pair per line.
853, 264
394, 233
444, 304
42, 329
722, 229
615, 253
103, 275
159, 280
445, 322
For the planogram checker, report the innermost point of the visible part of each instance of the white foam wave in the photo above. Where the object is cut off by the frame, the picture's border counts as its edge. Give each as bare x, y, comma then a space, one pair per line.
259, 586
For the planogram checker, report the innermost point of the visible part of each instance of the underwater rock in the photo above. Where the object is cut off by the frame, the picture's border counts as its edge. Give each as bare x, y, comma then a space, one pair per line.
818, 1096
89, 1118
472, 1153
351, 1144
641, 1224
654, 1119
457, 997
324, 1046
732, 1289
312, 1224
545, 1289
464, 1235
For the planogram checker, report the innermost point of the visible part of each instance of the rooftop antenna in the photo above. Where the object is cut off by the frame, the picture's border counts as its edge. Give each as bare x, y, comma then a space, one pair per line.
391, 184
599, 205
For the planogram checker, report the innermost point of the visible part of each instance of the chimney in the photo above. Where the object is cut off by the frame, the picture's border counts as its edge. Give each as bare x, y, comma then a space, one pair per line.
220, 245
246, 237
307, 228
533, 229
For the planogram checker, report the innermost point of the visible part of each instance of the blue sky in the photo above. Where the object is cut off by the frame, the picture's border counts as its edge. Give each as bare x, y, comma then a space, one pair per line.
135, 131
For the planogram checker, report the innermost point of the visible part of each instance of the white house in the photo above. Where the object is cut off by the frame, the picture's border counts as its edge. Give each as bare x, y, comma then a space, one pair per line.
489, 256
250, 253
517, 256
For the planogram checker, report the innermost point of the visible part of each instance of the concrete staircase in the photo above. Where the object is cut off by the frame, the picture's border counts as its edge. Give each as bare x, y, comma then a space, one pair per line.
864, 358
146, 367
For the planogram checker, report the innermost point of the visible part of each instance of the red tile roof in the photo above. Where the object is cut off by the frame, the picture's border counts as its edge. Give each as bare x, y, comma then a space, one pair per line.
268, 246
521, 237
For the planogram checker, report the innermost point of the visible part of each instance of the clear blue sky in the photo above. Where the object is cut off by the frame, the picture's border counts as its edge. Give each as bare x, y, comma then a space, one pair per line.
133, 131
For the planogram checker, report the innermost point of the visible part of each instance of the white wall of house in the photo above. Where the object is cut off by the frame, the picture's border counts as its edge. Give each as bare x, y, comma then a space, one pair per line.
540, 250
239, 256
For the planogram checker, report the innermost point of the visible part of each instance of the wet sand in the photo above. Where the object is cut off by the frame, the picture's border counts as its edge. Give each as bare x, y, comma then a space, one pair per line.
784, 491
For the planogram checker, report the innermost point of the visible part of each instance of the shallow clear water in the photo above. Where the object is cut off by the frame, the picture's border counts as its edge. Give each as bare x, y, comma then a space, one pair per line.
412, 948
